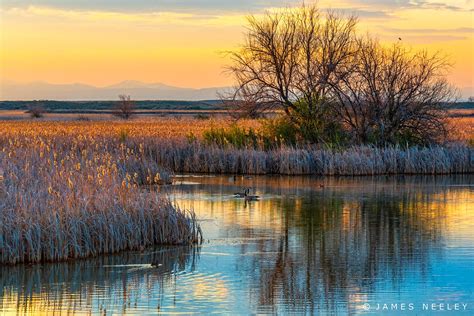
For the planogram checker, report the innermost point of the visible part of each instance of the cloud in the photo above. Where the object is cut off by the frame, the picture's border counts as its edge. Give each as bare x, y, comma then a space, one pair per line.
363, 13
429, 31
136, 6
425, 39
454, 5
367, 8
196, 7
162, 14
149, 18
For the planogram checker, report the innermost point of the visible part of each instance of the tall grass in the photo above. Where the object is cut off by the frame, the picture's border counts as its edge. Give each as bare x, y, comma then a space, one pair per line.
74, 196
193, 157
79, 189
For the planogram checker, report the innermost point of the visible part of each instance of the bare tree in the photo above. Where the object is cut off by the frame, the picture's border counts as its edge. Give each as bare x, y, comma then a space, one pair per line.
293, 57
36, 111
313, 67
125, 108
393, 94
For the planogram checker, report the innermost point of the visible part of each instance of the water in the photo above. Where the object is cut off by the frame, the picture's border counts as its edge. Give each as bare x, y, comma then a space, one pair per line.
302, 248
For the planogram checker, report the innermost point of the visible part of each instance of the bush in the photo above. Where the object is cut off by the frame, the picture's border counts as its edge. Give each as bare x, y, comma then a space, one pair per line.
235, 136
316, 124
273, 134
83, 118
279, 131
123, 135
36, 111
125, 108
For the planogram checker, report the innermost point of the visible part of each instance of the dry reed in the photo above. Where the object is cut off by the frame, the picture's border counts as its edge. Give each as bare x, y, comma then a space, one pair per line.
74, 196
352, 161
78, 189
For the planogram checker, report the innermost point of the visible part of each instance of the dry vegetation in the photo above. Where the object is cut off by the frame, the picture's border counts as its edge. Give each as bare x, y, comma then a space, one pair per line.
462, 128
68, 191
78, 189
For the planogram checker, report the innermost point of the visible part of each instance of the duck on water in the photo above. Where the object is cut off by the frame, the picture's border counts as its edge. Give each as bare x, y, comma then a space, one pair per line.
246, 195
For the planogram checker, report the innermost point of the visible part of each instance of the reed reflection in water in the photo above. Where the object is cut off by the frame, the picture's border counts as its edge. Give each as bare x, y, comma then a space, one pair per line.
117, 283
308, 246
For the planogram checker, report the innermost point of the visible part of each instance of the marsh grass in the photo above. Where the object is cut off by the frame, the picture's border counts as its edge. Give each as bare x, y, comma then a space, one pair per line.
352, 161
65, 197
78, 189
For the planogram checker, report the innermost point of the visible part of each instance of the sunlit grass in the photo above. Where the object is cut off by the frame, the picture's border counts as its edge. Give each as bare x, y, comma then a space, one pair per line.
66, 193
462, 128
78, 189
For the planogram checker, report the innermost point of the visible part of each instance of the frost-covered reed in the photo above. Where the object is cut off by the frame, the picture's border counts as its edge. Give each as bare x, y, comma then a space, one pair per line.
356, 160
65, 197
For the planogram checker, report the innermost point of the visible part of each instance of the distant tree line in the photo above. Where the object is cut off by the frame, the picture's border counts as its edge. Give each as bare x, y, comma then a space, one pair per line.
333, 84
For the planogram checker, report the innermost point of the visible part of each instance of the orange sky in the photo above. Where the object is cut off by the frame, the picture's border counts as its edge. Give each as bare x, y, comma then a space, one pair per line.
181, 44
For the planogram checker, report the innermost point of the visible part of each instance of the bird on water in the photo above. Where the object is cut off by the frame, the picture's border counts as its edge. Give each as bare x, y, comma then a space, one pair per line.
249, 197
246, 195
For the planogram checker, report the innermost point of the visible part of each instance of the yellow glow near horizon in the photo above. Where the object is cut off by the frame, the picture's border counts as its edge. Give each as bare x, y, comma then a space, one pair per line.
40, 43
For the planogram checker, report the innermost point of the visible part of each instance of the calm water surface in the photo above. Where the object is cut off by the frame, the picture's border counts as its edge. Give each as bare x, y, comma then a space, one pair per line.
302, 248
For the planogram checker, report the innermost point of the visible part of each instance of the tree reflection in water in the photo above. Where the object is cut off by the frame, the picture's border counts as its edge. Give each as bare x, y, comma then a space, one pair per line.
343, 248
300, 249
334, 245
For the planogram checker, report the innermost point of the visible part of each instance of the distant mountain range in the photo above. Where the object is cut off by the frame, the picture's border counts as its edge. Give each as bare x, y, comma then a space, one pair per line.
13, 91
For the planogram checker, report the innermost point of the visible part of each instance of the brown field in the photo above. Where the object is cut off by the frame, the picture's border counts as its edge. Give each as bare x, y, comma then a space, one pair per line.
150, 127
461, 124
462, 128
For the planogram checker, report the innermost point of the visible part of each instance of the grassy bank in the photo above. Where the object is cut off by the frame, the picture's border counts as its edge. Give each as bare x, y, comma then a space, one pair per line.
352, 161
65, 196
143, 149
79, 189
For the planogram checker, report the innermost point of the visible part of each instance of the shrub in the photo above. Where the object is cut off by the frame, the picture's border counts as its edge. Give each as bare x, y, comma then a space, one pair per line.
235, 136
279, 131
123, 135
83, 118
36, 111
125, 108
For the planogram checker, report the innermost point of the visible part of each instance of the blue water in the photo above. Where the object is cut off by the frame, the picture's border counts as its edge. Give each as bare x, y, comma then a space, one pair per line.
385, 245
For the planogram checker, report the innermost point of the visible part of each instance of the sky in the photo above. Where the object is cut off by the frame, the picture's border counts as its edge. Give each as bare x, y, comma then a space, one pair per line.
182, 42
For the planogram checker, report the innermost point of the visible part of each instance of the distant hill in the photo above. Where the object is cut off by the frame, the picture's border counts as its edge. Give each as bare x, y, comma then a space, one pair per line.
12, 91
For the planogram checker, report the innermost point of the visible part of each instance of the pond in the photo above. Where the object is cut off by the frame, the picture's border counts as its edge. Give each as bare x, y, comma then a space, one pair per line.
366, 245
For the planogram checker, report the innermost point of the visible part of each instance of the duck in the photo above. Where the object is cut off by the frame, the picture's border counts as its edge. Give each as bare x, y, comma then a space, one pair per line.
250, 197
240, 194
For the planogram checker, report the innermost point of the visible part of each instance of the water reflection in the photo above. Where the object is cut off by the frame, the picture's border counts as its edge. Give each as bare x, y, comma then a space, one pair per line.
115, 283
309, 245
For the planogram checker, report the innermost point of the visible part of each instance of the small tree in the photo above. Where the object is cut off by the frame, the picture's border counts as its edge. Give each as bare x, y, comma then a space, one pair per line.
125, 108
36, 111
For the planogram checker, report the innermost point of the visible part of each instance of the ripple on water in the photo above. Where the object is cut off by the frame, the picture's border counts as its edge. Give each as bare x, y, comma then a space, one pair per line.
301, 249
